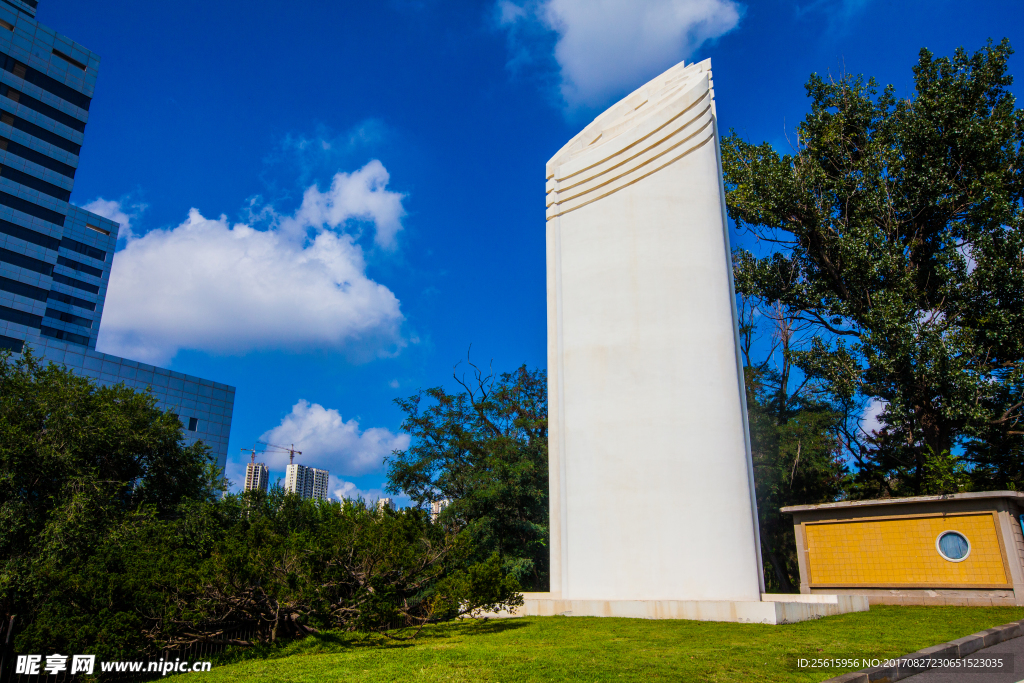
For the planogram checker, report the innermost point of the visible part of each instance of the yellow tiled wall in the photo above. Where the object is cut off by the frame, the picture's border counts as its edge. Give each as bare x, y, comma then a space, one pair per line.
902, 552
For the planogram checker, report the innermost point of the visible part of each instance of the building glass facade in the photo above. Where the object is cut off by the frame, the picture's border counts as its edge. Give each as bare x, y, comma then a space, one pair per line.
55, 258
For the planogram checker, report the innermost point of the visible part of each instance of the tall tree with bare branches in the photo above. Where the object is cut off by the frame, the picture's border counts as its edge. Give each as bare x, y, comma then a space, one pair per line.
796, 434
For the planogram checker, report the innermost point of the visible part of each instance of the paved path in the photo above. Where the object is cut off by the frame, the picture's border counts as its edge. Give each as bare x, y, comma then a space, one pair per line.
1014, 647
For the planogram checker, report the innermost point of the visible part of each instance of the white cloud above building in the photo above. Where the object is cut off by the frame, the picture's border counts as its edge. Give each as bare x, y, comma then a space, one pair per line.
606, 48
300, 285
327, 441
122, 211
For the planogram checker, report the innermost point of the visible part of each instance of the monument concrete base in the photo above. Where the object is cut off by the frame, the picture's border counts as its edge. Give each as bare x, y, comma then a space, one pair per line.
772, 609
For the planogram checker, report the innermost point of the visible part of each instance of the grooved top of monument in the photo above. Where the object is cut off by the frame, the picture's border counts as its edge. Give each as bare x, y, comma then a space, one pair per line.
656, 124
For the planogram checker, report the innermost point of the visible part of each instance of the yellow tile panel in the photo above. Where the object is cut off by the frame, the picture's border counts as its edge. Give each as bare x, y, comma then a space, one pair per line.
902, 551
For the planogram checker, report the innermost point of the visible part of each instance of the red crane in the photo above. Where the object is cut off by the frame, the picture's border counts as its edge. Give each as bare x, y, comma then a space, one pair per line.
290, 450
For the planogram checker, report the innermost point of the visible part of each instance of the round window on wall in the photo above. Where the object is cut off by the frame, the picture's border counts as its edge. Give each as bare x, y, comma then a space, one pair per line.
953, 546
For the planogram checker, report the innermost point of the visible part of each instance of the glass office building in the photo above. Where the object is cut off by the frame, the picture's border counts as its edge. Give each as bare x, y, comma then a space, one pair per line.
55, 258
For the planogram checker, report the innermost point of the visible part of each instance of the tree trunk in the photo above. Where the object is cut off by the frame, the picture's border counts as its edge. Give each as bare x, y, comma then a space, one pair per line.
780, 568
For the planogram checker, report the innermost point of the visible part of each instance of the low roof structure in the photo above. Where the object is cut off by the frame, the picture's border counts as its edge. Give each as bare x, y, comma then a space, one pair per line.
962, 548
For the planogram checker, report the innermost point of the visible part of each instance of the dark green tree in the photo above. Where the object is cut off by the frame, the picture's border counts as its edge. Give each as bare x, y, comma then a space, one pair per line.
485, 449
894, 230
795, 437
76, 460
259, 568
116, 540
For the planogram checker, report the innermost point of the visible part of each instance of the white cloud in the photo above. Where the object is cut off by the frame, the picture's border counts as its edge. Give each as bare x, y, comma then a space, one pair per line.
341, 489
329, 442
221, 288
306, 156
393, 384
361, 195
120, 211
871, 417
509, 12
234, 472
606, 48
366, 132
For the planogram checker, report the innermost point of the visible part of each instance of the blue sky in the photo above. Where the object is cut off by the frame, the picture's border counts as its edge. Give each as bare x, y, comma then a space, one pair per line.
329, 202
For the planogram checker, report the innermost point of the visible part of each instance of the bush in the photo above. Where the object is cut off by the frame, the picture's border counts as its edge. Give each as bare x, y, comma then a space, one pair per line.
268, 565
115, 540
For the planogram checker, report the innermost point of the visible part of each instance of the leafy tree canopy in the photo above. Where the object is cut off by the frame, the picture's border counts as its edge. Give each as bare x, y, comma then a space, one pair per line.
115, 539
485, 449
258, 568
75, 460
894, 230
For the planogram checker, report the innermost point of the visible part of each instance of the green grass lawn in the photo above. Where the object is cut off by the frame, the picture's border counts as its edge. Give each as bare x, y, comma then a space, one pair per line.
601, 649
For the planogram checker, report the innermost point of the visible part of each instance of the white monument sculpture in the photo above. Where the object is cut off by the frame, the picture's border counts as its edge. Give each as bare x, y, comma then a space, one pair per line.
653, 511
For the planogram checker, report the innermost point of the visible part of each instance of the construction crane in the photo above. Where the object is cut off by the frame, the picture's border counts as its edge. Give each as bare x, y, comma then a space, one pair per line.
290, 450
250, 450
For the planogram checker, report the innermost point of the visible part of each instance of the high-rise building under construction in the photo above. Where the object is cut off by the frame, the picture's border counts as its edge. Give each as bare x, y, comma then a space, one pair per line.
256, 477
55, 258
307, 482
